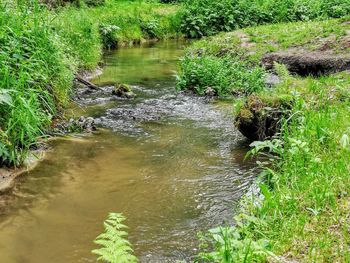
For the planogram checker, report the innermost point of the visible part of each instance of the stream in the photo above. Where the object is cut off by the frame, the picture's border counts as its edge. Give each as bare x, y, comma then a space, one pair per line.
171, 162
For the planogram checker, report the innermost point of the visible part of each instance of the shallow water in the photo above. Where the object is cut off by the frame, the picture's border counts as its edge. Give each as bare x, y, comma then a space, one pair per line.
171, 163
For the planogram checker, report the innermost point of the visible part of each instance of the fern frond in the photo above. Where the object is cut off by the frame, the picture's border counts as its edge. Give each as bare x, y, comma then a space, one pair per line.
115, 248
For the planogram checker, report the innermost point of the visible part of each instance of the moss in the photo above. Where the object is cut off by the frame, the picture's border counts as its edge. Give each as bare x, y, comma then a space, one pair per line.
123, 90
260, 116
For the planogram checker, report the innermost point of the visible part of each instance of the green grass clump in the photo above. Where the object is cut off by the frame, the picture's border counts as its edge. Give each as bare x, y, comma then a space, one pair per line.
35, 77
221, 75
208, 17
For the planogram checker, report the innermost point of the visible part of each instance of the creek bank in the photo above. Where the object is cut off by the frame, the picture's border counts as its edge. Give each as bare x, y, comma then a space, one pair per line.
9, 174
306, 63
310, 49
260, 117
303, 211
82, 124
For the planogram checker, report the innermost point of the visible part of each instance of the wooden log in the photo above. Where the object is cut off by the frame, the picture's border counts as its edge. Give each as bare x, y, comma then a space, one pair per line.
86, 82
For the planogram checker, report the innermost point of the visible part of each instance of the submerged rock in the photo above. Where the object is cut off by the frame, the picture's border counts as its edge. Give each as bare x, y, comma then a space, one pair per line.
80, 124
304, 63
123, 91
260, 118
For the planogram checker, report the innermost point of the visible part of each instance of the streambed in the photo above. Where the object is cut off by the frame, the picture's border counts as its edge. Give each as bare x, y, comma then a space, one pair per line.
171, 162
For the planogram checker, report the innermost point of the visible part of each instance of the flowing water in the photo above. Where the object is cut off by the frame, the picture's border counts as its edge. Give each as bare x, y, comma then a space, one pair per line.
171, 162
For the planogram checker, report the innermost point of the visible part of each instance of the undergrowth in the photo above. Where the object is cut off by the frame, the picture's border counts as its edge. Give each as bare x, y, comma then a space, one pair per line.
208, 17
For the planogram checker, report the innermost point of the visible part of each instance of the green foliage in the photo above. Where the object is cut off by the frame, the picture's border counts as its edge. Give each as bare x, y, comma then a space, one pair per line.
76, 3
41, 49
207, 17
233, 244
109, 35
303, 188
222, 75
94, 2
117, 23
80, 36
115, 248
34, 79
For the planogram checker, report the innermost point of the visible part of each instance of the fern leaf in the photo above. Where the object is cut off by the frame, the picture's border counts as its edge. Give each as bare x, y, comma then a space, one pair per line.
114, 247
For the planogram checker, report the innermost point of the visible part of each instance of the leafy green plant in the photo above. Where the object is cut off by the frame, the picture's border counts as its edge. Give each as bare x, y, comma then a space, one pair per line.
274, 146
108, 34
115, 248
233, 244
150, 28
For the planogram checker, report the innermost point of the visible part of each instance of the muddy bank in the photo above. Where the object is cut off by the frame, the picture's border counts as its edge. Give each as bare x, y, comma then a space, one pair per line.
306, 63
9, 175
59, 128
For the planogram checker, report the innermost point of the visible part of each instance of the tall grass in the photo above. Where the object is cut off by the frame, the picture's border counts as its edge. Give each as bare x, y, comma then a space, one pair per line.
41, 50
220, 76
34, 73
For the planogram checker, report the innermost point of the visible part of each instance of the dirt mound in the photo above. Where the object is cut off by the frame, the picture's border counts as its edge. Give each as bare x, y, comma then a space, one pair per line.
305, 63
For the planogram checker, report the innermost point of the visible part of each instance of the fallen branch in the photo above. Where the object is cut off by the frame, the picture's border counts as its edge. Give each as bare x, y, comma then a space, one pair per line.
86, 82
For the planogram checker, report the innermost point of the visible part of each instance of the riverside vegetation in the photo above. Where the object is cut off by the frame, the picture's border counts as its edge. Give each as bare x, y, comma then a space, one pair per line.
303, 215
42, 49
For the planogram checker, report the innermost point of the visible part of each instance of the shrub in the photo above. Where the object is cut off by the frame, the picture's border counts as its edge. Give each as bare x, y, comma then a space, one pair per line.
207, 17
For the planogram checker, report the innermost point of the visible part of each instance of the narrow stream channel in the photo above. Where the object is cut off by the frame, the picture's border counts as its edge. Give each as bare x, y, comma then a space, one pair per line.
171, 163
